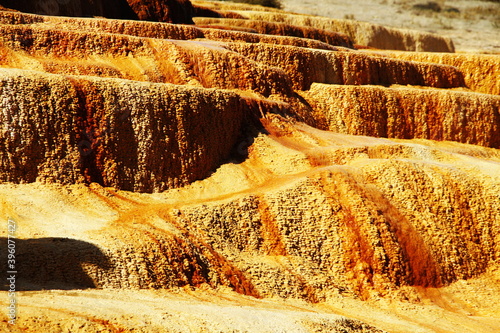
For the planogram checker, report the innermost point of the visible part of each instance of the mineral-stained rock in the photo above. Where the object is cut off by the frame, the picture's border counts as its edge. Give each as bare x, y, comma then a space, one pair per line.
71, 129
389, 217
277, 204
408, 113
353, 68
363, 33
112, 9
156, 30
481, 72
174, 11
127, 27
134, 58
241, 36
271, 28
226, 7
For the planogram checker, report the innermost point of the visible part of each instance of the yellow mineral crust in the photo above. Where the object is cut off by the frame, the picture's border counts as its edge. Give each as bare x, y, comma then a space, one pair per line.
256, 172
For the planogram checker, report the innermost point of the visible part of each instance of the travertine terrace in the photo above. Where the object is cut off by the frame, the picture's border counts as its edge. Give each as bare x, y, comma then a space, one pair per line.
256, 171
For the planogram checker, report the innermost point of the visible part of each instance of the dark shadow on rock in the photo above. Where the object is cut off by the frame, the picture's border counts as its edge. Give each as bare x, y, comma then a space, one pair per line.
52, 263
116, 9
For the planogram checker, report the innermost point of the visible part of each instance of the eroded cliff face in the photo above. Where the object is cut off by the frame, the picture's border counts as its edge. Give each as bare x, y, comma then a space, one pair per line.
401, 112
280, 29
369, 233
70, 129
306, 66
318, 216
480, 71
199, 176
362, 33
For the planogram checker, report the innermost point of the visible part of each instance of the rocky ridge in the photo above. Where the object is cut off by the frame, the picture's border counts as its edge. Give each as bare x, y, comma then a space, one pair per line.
251, 161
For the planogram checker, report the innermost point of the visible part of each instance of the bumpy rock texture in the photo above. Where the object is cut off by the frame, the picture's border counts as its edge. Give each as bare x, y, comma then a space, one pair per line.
305, 66
362, 33
406, 113
293, 183
480, 71
131, 135
279, 29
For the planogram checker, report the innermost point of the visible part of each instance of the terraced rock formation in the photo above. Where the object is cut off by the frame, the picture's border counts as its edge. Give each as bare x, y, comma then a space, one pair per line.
401, 112
362, 33
247, 175
480, 71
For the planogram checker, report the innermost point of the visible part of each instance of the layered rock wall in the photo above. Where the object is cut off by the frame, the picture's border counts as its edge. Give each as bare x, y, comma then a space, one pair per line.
135, 58
174, 11
389, 218
408, 113
280, 29
363, 33
155, 30
287, 168
481, 71
131, 135
351, 68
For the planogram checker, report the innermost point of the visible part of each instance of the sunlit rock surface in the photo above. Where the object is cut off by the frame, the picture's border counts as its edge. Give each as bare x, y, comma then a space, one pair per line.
255, 172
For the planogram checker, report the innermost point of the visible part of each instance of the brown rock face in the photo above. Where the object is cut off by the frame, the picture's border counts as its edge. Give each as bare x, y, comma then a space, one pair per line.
247, 175
480, 71
271, 28
391, 219
173, 11
306, 66
96, 130
409, 113
362, 33
112, 9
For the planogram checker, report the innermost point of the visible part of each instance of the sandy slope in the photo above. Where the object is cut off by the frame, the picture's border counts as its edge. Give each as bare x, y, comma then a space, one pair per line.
187, 310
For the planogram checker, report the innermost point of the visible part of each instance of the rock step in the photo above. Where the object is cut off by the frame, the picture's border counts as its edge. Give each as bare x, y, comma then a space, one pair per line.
408, 113
280, 29
481, 71
362, 33
392, 216
137, 58
136, 136
155, 30
174, 11
305, 66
